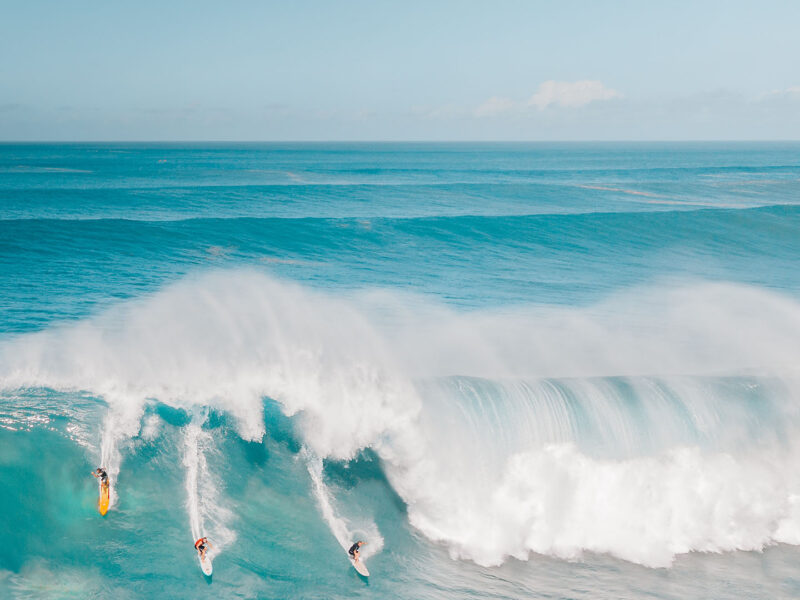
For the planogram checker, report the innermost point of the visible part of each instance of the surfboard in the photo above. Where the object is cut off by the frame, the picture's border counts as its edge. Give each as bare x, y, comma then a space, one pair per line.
102, 504
205, 564
360, 567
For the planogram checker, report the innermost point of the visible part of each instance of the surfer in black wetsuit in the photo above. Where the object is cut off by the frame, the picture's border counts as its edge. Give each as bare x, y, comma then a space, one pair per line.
101, 474
202, 545
354, 550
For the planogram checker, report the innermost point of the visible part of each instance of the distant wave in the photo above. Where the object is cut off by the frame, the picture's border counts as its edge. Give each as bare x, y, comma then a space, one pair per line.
645, 211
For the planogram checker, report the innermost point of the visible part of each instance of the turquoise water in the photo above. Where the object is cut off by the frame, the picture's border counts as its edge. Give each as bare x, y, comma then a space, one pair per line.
515, 370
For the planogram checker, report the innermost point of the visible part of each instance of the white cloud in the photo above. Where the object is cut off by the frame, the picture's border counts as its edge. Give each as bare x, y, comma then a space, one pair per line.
494, 106
571, 94
550, 93
792, 93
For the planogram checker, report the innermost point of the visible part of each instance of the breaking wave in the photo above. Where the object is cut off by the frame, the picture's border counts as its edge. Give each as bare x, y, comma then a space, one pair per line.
659, 422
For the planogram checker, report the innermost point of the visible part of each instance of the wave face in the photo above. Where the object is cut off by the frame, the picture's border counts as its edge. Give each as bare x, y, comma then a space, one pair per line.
508, 368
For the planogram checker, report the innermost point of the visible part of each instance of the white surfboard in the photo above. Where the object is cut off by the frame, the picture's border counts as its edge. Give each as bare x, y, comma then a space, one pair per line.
360, 567
205, 564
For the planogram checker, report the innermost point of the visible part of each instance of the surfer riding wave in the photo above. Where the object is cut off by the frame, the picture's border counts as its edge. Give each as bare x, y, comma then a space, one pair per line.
354, 551
202, 546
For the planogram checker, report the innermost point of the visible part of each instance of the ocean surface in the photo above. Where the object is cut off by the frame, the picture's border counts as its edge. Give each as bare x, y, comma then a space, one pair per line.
514, 370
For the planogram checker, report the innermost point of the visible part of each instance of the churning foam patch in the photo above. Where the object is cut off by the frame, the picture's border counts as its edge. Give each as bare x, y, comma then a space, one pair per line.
560, 502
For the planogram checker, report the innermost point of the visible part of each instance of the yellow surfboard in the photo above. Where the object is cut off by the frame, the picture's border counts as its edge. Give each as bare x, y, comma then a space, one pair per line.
102, 505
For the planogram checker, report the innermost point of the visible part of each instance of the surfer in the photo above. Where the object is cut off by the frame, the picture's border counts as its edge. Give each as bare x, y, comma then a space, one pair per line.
101, 474
202, 545
354, 550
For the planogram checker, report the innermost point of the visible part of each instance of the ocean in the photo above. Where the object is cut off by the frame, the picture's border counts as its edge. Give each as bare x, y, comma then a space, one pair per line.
515, 370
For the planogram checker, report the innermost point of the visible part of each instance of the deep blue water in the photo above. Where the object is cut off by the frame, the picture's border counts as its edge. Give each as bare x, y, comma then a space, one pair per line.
515, 370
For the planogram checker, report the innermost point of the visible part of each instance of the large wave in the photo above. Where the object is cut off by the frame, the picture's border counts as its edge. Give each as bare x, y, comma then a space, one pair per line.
658, 422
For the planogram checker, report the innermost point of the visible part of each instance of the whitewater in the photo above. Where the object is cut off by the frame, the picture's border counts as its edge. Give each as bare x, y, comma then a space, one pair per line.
502, 405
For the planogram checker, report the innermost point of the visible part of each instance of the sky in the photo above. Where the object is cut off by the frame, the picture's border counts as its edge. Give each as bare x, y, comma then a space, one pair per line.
403, 70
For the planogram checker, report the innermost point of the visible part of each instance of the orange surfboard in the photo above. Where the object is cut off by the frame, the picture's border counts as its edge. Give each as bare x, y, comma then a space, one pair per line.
102, 505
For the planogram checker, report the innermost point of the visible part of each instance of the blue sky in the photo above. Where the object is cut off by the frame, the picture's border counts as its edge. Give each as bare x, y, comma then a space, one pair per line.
352, 70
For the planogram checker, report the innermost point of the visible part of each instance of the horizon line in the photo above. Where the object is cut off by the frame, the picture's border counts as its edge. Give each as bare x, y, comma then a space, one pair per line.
402, 141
